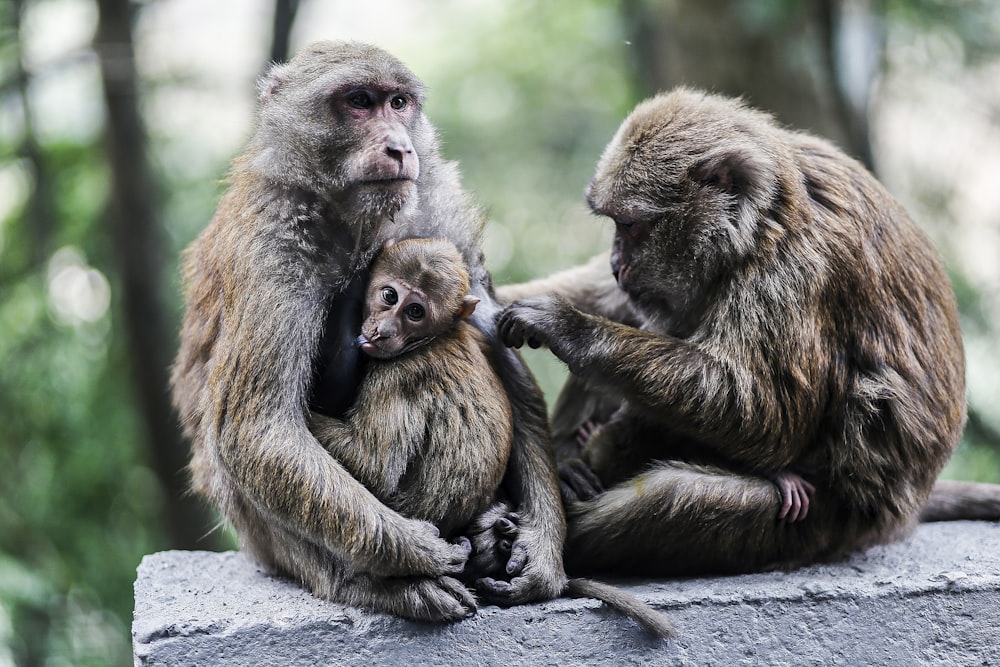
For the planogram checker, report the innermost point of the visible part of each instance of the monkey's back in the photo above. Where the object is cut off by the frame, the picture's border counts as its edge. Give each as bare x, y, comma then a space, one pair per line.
439, 420
893, 348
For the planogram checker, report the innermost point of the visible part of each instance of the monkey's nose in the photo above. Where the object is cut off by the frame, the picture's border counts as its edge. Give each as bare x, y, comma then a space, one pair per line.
398, 147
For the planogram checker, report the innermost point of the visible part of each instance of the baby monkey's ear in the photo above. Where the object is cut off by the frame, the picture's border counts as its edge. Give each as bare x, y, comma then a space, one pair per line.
467, 307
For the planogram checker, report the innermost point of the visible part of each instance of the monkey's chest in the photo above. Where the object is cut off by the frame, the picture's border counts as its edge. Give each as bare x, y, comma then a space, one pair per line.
447, 445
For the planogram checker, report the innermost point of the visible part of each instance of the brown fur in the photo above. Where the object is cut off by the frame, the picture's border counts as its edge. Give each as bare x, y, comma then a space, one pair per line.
791, 317
429, 434
326, 178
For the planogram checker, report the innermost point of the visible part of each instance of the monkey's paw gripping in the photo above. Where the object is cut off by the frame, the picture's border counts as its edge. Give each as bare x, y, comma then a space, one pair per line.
795, 495
434, 556
493, 536
502, 568
529, 320
535, 577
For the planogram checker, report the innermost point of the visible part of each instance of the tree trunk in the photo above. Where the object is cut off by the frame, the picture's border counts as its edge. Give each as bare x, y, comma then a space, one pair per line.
138, 246
780, 57
40, 214
281, 28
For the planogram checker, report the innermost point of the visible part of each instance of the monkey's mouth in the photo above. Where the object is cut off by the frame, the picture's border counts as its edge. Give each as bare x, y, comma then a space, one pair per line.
384, 180
371, 349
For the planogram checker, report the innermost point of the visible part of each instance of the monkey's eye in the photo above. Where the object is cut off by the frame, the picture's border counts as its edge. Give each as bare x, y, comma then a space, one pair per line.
415, 312
389, 296
398, 102
361, 99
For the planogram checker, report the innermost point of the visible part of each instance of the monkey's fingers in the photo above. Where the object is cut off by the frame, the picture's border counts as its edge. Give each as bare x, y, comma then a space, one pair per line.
518, 590
790, 503
518, 558
795, 500
446, 599
577, 481
494, 590
511, 331
804, 493
465, 543
585, 431
506, 526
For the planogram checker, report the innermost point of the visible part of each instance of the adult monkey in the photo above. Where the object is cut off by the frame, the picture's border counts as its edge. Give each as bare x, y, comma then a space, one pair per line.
341, 159
777, 311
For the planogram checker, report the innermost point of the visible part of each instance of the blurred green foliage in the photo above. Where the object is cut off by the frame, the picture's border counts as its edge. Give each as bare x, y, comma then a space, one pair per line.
525, 96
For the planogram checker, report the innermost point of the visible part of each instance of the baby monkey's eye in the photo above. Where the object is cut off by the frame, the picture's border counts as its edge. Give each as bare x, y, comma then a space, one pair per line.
389, 296
398, 102
415, 312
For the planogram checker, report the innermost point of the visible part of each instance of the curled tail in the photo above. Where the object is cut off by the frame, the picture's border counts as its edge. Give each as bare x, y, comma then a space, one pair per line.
626, 603
952, 501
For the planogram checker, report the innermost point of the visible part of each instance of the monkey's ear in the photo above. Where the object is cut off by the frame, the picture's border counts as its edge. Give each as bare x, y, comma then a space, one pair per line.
273, 80
742, 171
748, 174
467, 307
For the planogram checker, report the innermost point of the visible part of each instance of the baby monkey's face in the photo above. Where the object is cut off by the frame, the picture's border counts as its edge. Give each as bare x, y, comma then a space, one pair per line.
398, 318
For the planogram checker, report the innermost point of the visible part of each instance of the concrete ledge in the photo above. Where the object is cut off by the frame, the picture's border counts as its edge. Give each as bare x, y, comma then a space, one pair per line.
934, 599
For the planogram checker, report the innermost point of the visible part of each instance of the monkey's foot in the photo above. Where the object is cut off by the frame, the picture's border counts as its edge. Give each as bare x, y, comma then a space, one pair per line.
492, 535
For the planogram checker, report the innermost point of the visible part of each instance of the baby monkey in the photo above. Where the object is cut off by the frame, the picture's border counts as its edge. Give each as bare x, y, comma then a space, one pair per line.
434, 416
433, 412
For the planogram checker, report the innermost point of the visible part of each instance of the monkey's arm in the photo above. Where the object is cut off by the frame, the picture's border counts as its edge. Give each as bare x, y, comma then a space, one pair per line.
730, 409
536, 555
535, 563
591, 287
258, 386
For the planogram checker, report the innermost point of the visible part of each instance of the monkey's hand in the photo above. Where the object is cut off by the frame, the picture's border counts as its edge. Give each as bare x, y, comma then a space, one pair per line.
525, 577
577, 481
435, 599
415, 548
543, 320
492, 535
795, 493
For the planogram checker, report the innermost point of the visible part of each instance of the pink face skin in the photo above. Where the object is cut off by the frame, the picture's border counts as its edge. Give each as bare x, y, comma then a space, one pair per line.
384, 116
397, 319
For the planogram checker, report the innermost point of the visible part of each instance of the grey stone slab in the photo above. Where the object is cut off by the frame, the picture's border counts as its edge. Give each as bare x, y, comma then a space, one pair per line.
933, 599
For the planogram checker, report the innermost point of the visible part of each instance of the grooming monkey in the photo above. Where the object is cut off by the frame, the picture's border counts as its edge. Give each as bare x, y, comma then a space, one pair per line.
429, 433
769, 308
341, 159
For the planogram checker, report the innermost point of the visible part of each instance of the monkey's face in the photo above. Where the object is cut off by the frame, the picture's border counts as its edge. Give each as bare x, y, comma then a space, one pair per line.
685, 188
347, 118
398, 318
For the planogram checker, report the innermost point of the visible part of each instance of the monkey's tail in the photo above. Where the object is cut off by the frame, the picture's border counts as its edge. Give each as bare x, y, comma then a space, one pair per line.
626, 603
953, 501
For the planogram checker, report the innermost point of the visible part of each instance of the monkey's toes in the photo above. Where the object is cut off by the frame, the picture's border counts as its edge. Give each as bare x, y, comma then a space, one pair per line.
447, 599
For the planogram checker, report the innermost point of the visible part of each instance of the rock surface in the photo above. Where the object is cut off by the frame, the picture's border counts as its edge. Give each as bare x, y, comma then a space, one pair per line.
933, 599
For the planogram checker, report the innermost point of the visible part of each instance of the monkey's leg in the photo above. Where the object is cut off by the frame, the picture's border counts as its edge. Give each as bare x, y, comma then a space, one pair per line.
532, 485
678, 518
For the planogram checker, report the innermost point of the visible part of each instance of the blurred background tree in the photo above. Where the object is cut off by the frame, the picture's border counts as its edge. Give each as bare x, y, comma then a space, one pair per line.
117, 120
